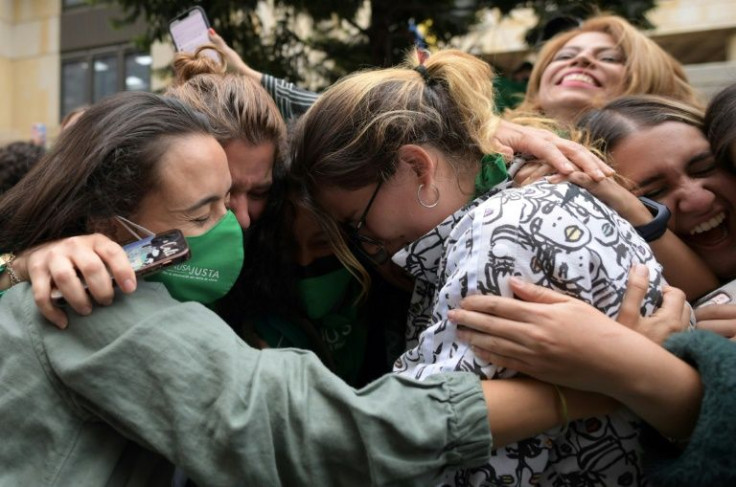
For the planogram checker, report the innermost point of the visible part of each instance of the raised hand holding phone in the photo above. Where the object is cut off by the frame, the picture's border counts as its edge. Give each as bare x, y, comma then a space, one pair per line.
190, 30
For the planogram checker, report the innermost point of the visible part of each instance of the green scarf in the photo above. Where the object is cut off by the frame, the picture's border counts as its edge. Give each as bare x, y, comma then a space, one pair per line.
492, 172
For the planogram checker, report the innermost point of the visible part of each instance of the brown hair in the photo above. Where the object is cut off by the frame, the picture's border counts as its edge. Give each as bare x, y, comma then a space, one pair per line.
100, 167
237, 107
350, 137
720, 124
608, 125
649, 68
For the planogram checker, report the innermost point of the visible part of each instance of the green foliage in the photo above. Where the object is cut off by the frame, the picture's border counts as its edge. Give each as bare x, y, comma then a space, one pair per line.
345, 45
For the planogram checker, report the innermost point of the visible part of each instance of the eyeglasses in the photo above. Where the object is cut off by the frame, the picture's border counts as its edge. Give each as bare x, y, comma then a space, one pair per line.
370, 247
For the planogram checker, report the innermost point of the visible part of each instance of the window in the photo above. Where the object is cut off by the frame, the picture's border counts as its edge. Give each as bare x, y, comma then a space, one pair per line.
72, 3
73, 85
89, 76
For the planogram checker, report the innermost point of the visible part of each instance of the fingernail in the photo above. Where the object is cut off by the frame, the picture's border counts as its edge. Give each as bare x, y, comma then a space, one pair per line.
128, 286
63, 324
641, 270
568, 167
516, 282
599, 174
452, 316
555, 178
85, 311
211, 31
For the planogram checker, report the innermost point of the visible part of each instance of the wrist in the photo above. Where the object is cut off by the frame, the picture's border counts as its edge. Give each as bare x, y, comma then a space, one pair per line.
657, 226
9, 275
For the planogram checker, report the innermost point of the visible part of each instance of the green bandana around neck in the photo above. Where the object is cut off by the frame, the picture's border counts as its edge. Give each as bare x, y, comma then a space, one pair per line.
492, 172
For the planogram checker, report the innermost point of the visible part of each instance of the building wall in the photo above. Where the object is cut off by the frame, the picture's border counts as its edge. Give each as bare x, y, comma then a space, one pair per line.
29, 66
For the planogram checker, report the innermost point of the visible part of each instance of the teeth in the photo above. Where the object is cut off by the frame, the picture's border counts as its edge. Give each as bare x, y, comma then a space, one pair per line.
709, 225
580, 77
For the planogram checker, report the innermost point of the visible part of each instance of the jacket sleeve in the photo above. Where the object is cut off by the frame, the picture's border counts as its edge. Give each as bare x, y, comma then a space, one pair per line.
174, 378
291, 100
707, 458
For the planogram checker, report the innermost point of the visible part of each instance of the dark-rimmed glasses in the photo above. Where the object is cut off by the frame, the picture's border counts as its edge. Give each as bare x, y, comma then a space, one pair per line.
369, 247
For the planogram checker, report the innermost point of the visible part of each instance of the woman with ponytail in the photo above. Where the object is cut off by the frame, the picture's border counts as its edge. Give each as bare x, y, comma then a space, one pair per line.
408, 171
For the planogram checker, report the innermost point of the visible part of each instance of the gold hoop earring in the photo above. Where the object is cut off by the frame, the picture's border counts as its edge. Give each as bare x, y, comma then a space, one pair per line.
436, 199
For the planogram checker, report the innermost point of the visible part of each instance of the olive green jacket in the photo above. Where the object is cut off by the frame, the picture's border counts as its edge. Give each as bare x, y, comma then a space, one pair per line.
148, 382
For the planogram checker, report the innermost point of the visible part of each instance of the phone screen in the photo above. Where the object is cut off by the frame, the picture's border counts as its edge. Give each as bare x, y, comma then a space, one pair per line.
189, 30
153, 253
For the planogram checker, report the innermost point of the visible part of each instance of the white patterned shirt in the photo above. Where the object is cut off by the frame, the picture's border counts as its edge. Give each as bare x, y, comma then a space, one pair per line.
557, 236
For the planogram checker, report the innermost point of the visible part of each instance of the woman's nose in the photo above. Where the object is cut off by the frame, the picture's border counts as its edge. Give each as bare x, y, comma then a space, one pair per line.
582, 58
694, 198
239, 205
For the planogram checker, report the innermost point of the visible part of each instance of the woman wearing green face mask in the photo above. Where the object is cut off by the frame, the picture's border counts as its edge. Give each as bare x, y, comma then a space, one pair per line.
147, 382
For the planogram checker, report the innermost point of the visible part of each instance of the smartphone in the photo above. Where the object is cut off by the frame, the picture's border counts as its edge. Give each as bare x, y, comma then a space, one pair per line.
149, 255
189, 30
725, 294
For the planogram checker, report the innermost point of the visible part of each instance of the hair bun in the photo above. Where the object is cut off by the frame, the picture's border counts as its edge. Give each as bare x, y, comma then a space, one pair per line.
188, 65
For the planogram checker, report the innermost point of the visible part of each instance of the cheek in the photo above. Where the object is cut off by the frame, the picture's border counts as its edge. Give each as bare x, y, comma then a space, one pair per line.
616, 77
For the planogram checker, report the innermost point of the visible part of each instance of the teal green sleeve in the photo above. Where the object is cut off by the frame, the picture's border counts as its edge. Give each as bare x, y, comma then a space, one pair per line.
174, 378
708, 458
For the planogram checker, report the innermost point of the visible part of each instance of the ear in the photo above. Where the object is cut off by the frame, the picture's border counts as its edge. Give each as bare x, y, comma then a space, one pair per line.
420, 161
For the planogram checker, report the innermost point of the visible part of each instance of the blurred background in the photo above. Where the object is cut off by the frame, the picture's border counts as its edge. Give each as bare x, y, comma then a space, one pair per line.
56, 55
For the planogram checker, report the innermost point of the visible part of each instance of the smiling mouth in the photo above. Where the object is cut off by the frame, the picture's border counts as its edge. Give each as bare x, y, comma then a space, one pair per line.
711, 232
579, 78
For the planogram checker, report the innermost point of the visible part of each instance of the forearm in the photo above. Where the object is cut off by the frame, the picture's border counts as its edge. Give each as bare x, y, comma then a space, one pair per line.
682, 267
660, 388
181, 383
522, 408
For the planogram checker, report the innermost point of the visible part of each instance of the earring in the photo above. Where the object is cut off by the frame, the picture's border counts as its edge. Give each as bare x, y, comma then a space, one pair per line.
436, 199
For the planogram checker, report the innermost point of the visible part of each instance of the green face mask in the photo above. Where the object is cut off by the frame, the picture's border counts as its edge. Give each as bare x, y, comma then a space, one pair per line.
322, 286
210, 273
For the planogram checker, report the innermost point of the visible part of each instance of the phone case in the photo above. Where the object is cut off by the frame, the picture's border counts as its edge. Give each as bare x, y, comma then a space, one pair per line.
189, 30
723, 295
148, 255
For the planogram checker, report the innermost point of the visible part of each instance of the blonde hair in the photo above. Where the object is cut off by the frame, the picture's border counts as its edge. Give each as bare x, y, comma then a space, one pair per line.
351, 136
237, 107
649, 69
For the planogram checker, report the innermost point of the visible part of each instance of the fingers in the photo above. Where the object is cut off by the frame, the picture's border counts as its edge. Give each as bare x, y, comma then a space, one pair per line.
718, 318
535, 294
545, 150
116, 261
725, 328
500, 360
636, 290
42, 297
68, 264
674, 304
585, 160
485, 331
216, 39
540, 171
716, 312
524, 175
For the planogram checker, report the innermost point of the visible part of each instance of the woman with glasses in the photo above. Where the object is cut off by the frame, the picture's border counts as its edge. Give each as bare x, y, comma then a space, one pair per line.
408, 171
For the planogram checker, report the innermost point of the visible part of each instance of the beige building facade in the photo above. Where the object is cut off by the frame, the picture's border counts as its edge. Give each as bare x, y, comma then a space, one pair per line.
29, 66
55, 54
